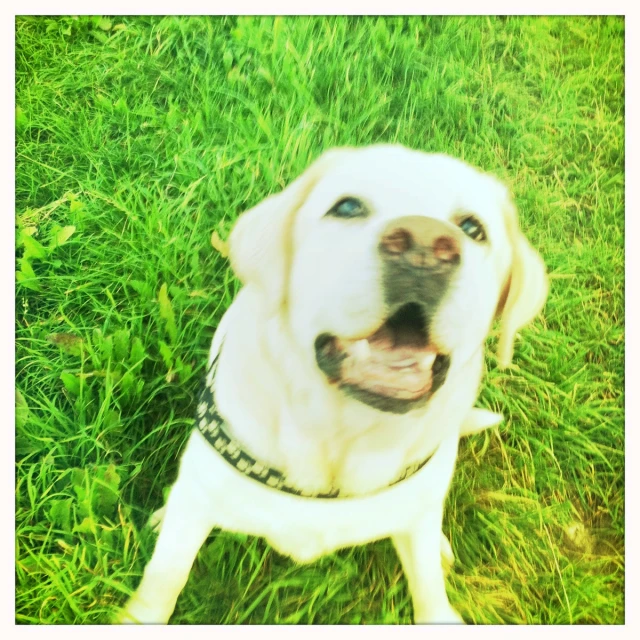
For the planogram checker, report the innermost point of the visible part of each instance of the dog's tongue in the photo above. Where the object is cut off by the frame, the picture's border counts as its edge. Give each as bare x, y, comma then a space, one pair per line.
393, 363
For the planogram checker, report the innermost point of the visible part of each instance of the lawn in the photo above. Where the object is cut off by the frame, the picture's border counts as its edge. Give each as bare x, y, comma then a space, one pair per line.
136, 138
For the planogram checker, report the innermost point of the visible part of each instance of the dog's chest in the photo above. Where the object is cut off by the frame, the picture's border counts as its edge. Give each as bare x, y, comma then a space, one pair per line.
304, 528
350, 460
306, 532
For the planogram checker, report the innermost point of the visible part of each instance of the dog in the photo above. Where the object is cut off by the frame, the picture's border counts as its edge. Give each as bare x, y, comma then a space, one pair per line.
344, 373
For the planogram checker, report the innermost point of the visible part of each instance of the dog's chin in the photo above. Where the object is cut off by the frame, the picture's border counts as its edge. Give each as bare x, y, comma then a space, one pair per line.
395, 369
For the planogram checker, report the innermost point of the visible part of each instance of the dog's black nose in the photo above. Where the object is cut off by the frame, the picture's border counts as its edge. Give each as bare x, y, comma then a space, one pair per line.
421, 242
419, 256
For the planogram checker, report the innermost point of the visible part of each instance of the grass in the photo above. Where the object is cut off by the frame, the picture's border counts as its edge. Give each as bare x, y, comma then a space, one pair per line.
138, 137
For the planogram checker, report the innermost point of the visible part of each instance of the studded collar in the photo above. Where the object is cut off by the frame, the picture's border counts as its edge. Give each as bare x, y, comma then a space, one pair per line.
213, 427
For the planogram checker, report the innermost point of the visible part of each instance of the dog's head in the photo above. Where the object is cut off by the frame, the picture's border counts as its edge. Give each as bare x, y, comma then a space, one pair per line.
389, 266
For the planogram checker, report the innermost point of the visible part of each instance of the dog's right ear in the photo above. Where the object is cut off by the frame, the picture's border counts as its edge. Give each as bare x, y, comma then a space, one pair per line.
260, 243
525, 290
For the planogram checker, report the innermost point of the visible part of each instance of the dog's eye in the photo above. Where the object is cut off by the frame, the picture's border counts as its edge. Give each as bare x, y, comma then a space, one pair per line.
472, 227
348, 208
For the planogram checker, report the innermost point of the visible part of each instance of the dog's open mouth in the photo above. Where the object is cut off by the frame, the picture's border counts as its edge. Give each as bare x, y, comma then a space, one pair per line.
396, 362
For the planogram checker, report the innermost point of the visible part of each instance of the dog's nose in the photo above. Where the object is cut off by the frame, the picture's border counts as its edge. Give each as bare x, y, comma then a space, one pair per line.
419, 258
421, 242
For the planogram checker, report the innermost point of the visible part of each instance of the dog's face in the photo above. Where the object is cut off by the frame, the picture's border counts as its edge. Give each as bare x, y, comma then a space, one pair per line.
390, 266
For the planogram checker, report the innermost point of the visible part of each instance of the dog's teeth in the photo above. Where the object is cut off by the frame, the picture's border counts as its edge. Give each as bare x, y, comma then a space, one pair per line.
428, 360
401, 364
361, 349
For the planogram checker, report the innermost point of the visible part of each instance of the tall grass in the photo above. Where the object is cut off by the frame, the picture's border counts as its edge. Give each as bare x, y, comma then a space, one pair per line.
138, 137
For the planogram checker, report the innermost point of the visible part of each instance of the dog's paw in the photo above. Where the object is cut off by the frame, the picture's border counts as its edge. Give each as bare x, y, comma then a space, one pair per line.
138, 612
155, 521
124, 616
443, 615
446, 554
447, 615
479, 419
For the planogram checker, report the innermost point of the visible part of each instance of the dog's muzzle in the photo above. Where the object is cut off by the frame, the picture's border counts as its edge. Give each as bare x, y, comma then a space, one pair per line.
398, 367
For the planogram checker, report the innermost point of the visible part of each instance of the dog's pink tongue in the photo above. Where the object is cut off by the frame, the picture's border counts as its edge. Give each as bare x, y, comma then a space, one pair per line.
382, 365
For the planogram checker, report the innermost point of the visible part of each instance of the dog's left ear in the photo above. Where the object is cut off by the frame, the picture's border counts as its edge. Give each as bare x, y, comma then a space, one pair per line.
260, 242
525, 290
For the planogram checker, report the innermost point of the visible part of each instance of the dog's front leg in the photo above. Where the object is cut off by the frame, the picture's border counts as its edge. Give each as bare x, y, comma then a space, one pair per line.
185, 526
420, 553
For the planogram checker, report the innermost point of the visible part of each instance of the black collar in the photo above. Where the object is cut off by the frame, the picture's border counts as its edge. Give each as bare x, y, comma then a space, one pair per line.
212, 426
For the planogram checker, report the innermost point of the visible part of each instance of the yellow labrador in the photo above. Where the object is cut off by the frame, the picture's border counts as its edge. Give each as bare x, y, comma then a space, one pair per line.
344, 373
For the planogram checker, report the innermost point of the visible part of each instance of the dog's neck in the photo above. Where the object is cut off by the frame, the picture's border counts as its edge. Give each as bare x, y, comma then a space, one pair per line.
278, 405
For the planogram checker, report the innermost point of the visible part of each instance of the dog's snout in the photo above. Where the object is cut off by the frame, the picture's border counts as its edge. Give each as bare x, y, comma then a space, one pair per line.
422, 242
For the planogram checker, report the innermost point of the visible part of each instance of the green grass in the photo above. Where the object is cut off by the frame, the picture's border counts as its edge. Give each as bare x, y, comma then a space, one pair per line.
137, 137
